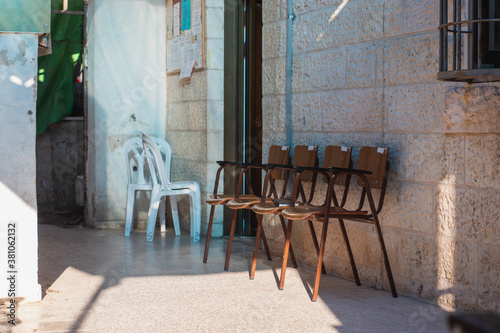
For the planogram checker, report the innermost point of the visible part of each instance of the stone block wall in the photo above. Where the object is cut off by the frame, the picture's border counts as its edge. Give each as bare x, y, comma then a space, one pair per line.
195, 119
364, 73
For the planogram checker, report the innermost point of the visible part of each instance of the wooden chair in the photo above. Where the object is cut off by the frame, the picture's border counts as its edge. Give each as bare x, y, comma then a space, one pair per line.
304, 156
277, 154
335, 156
371, 175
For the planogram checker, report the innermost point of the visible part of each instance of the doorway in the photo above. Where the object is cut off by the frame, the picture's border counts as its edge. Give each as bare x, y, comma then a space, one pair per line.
242, 100
60, 150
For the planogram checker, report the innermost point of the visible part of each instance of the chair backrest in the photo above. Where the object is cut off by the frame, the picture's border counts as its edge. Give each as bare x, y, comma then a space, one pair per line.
135, 157
375, 160
279, 155
339, 157
305, 156
134, 161
155, 162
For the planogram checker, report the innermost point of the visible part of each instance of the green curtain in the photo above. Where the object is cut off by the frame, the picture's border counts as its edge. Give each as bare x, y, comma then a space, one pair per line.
56, 86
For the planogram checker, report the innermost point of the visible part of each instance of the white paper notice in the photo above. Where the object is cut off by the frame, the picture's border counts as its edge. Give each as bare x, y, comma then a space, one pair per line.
187, 61
177, 23
170, 55
176, 63
187, 37
196, 26
198, 53
170, 23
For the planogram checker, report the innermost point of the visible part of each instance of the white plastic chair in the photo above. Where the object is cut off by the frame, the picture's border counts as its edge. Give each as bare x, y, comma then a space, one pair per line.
136, 175
135, 157
163, 187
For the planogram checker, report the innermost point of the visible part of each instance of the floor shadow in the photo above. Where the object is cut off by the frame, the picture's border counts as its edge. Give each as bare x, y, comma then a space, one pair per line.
176, 263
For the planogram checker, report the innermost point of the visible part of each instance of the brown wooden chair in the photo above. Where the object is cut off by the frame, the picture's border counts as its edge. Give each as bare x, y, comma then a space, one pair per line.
372, 174
335, 156
277, 154
303, 155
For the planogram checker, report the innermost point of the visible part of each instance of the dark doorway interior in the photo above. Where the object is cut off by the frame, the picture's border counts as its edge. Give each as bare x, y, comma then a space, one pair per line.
242, 98
60, 148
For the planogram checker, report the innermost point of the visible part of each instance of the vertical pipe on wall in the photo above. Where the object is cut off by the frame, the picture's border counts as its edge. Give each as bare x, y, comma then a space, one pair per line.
289, 43
459, 27
455, 4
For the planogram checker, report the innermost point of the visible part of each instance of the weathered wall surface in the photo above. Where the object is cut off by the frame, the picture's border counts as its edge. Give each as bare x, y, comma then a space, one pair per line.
18, 70
364, 73
195, 119
126, 82
60, 159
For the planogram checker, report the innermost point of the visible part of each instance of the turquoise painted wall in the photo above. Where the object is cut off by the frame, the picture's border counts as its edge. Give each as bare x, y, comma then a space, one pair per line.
25, 16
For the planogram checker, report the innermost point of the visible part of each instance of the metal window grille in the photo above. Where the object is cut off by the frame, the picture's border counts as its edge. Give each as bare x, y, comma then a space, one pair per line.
469, 34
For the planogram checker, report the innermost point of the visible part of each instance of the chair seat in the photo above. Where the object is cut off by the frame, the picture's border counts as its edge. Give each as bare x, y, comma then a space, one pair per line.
245, 201
308, 212
267, 208
220, 199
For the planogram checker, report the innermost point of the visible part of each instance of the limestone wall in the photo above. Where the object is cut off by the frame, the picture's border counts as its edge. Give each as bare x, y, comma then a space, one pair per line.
195, 119
364, 73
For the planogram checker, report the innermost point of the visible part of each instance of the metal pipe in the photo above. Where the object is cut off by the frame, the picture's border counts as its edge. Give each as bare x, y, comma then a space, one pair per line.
479, 33
442, 36
67, 12
455, 2
289, 43
459, 19
469, 21
445, 34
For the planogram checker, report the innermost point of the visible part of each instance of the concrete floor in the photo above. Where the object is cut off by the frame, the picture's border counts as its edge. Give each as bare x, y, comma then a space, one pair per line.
100, 281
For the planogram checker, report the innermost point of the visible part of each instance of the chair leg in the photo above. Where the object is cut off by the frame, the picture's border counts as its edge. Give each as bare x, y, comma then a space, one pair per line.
175, 214
230, 244
288, 235
153, 212
266, 247
292, 255
320, 260
195, 197
209, 232
386, 258
161, 211
129, 216
256, 246
316, 245
349, 251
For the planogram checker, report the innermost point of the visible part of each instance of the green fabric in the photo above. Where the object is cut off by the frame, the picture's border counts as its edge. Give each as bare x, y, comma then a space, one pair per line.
56, 87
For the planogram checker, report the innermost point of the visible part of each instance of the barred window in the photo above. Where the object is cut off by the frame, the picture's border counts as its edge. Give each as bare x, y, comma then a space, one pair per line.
469, 40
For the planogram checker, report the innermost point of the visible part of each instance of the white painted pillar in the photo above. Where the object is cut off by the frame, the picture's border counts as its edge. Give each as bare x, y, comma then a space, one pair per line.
18, 70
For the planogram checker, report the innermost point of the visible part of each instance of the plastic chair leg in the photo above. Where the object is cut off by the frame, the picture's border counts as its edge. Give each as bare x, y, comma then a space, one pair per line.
129, 217
175, 214
163, 222
153, 212
195, 198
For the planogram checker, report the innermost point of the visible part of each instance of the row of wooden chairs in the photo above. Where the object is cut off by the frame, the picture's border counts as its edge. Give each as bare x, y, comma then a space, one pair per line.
336, 171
